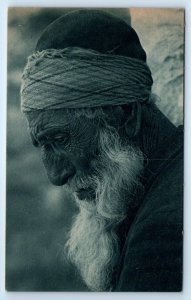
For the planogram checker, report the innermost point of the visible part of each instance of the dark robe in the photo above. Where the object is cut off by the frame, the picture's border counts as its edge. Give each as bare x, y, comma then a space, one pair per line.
151, 257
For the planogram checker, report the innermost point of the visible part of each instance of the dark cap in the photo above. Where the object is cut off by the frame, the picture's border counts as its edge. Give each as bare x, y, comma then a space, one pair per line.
92, 29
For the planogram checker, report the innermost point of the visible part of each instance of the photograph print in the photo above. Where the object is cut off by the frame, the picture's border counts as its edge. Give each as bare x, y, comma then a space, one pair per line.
95, 149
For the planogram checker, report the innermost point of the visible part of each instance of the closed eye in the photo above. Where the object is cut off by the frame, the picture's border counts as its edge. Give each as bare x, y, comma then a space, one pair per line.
61, 139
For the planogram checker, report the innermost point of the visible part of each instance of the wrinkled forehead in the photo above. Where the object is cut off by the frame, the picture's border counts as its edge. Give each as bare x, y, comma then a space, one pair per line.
51, 118
44, 119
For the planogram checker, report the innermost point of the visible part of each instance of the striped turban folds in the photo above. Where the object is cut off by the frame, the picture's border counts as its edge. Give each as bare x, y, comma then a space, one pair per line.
79, 78
87, 58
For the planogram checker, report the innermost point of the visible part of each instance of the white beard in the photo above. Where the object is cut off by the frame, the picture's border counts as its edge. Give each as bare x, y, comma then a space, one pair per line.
93, 245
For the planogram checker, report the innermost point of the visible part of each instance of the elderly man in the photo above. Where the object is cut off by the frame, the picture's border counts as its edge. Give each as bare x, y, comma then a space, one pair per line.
86, 93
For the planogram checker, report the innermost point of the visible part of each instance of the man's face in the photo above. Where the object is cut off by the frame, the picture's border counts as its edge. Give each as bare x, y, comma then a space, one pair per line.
88, 156
68, 147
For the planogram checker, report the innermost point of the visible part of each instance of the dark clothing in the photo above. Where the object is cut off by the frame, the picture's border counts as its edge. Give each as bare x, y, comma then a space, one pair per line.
151, 258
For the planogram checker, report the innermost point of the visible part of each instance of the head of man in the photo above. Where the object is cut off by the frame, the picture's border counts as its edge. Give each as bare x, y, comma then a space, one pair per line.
86, 94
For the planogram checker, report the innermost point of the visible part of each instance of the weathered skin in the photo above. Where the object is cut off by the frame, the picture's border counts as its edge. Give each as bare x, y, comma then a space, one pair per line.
68, 144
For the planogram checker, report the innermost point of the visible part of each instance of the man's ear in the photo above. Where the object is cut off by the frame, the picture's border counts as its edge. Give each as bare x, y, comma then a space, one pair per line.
133, 119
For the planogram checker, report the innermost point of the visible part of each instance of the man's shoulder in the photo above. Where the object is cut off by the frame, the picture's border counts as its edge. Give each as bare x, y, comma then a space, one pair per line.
152, 255
165, 188
163, 200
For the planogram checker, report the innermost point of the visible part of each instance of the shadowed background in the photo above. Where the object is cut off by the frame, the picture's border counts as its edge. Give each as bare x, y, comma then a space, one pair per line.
39, 215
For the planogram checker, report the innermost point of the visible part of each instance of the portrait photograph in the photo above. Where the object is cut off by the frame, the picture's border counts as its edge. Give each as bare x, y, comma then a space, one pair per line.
94, 163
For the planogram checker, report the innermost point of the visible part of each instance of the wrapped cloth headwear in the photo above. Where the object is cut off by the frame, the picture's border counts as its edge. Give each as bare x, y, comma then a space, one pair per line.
87, 58
79, 78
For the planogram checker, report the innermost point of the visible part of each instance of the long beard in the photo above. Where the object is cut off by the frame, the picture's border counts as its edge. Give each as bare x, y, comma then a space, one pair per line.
93, 245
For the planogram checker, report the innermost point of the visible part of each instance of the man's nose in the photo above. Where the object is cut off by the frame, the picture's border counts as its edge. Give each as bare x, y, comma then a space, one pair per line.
61, 178
59, 171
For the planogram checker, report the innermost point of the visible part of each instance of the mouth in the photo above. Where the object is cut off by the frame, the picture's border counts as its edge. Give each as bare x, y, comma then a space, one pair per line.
85, 194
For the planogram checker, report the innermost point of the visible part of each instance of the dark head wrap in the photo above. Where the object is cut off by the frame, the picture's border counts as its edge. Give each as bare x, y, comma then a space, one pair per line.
92, 29
86, 58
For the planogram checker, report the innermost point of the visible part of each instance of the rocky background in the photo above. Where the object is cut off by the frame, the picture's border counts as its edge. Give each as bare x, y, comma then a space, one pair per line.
39, 215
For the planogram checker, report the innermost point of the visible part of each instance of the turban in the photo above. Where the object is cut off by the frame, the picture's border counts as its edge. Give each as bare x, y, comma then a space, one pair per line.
80, 78
86, 58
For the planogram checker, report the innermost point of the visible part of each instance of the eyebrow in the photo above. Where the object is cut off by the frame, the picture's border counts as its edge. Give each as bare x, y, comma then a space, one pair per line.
50, 132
